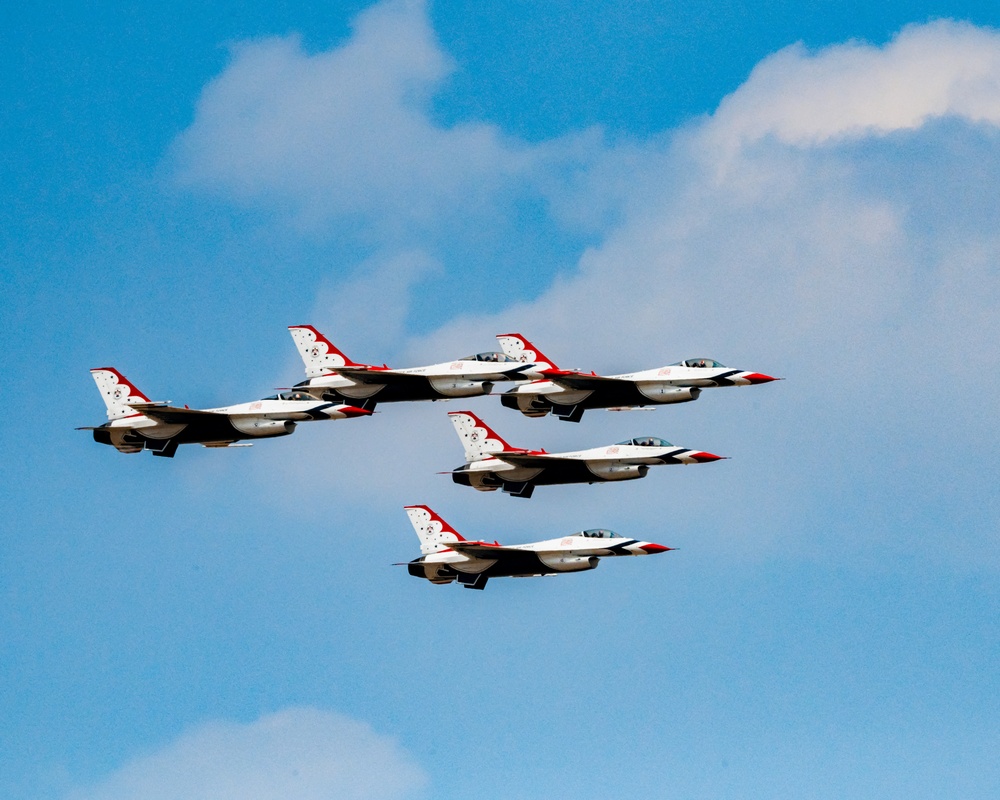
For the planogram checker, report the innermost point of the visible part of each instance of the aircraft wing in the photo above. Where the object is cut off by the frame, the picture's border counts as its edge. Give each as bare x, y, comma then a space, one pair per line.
584, 382
514, 370
382, 377
484, 550
546, 460
170, 415
499, 373
532, 459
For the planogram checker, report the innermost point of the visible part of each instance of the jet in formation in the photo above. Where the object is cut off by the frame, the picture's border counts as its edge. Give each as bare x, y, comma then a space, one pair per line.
447, 556
331, 375
568, 393
491, 463
135, 423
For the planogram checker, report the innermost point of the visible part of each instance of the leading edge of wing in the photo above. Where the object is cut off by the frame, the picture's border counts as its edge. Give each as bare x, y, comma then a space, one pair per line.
483, 549
583, 381
529, 459
172, 415
382, 377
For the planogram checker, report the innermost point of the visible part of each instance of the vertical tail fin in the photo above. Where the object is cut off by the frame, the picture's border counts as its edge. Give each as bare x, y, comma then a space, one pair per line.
117, 392
520, 349
434, 533
478, 439
318, 353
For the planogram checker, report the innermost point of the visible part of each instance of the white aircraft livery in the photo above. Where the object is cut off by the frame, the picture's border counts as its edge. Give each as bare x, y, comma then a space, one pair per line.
447, 556
568, 393
331, 375
135, 423
493, 464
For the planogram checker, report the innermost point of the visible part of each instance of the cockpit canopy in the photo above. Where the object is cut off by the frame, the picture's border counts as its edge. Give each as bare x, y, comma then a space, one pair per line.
648, 441
496, 358
700, 362
600, 533
290, 396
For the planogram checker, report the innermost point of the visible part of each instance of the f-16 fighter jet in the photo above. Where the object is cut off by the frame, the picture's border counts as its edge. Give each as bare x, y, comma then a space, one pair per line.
568, 393
493, 464
447, 556
333, 376
136, 423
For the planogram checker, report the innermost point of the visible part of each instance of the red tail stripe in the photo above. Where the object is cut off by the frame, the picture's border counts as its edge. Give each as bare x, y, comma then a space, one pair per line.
332, 347
445, 527
492, 434
132, 390
539, 355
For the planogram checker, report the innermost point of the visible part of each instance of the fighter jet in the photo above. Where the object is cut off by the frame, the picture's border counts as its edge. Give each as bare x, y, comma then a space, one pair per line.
331, 375
136, 423
568, 393
493, 464
447, 556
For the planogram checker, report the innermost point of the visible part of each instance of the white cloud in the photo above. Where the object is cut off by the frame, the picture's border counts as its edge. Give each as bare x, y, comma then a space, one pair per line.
298, 752
940, 69
349, 131
799, 248
786, 233
373, 304
863, 268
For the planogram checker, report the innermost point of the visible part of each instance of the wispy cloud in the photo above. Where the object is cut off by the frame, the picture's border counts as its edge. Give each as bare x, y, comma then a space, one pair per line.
833, 221
941, 69
298, 752
350, 131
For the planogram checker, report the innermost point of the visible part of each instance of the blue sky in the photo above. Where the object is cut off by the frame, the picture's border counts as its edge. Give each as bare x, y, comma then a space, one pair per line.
808, 193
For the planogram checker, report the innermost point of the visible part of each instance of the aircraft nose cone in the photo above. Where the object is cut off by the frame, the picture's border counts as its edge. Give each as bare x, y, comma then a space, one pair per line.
704, 458
757, 377
354, 411
651, 548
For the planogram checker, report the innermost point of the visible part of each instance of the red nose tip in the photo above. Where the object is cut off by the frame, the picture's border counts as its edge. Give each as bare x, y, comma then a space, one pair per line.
354, 411
655, 548
704, 458
757, 377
